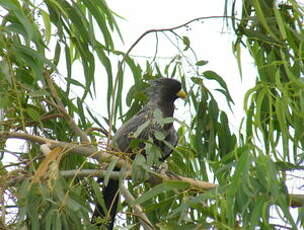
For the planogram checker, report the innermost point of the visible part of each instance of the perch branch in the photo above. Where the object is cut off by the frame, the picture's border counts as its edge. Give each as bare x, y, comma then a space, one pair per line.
296, 200
91, 172
101, 156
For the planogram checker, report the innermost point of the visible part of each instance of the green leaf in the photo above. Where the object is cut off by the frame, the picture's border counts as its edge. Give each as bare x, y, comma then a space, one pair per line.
58, 225
141, 128
57, 54
201, 63
139, 174
49, 219
5, 69
158, 115
33, 113
153, 153
4, 102
214, 76
260, 97
197, 80
73, 205
161, 188
211, 75
47, 25
186, 42
280, 22
98, 10
109, 170
241, 173
16, 10
68, 62
159, 135
98, 194
75, 82
261, 17
256, 213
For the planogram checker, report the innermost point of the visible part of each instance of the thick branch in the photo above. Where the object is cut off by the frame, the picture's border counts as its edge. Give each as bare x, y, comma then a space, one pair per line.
101, 156
195, 184
28, 137
296, 200
90, 172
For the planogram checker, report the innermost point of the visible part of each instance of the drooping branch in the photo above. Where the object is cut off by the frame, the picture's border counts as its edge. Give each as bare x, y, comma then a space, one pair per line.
138, 210
60, 106
170, 29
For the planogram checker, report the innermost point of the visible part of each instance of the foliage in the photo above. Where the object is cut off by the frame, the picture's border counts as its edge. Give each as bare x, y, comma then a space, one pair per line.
43, 46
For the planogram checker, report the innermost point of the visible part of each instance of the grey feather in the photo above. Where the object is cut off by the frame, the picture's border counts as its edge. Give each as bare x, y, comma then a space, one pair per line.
162, 96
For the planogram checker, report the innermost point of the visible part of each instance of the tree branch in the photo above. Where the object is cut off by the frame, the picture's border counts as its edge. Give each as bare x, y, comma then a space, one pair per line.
91, 172
170, 29
28, 137
138, 210
296, 200
60, 106
101, 156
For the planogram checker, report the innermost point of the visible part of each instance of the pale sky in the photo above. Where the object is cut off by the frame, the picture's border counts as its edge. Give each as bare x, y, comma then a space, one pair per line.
210, 39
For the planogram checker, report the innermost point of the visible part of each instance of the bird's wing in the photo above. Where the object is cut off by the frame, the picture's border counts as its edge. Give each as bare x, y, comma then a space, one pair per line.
124, 135
172, 139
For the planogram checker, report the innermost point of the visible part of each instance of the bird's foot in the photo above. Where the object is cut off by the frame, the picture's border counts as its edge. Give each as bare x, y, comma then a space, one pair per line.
163, 168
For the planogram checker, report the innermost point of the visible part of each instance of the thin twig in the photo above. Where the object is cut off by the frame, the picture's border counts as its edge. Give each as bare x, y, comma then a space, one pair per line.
60, 106
170, 29
101, 130
120, 64
138, 210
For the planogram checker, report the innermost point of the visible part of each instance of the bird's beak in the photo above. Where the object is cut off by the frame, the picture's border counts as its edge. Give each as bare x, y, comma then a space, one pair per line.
181, 94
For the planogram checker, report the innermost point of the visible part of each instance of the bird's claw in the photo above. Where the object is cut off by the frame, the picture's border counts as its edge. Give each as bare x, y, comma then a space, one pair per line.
163, 168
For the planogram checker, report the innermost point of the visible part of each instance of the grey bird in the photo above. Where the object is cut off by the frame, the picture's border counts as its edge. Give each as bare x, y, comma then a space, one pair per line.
162, 94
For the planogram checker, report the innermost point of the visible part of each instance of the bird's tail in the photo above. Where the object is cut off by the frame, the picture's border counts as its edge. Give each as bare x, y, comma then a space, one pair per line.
111, 196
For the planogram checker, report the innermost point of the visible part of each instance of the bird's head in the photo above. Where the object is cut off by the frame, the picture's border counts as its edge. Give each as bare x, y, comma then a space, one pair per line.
165, 90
